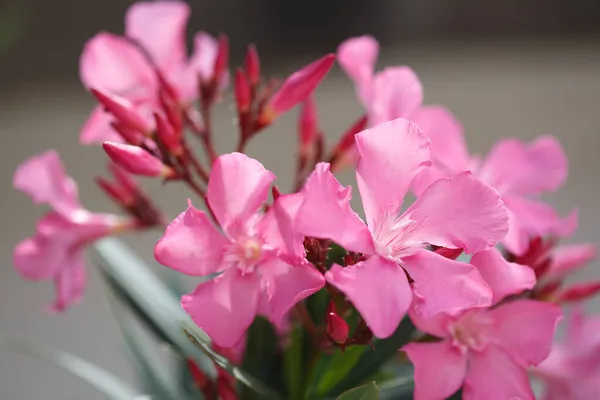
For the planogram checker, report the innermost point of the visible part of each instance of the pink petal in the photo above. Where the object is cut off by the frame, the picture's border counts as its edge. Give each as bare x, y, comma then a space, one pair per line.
238, 186
505, 278
326, 213
37, 258
567, 259
136, 160
205, 52
97, 129
224, 307
70, 284
492, 375
391, 155
440, 369
437, 325
525, 329
379, 290
460, 212
396, 92
159, 27
443, 285
124, 112
278, 226
287, 285
43, 178
110, 62
520, 168
191, 244
357, 57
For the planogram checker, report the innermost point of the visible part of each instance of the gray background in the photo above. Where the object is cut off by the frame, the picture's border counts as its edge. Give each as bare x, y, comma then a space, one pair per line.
504, 68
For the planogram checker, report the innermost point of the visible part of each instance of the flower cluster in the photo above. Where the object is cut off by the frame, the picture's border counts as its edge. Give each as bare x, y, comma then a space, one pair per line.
483, 320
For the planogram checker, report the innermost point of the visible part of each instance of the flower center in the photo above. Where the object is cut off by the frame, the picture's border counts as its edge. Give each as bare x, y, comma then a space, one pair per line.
470, 332
392, 236
245, 253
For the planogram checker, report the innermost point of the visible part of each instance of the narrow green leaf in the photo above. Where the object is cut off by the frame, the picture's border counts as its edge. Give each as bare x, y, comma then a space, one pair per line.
294, 365
370, 391
400, 388
331, 369
101, 380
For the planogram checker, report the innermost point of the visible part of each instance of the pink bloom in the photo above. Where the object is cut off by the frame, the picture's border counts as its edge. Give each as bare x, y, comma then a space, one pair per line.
489, 350
572, 371
520, 172
154, 43
260, 258
459, 212
55, 252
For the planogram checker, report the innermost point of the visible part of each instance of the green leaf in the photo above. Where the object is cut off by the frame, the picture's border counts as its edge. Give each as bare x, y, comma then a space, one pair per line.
293, 363
101, 380
335, 255
374, 358
400, 388
370, 391
331, 369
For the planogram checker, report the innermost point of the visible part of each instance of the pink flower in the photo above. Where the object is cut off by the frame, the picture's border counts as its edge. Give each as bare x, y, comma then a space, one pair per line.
487, 349
459, 212
260, 258
520, 172
572, 371
55, 252
154, 43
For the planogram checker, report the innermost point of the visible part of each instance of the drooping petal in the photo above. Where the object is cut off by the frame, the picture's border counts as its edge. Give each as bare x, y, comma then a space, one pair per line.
525, 329
159, 27
391, 155
37, 258
238, 186
357, 57
396, 92
567, 259
379, 290
440, 369
288, 284
191, 244
70, 283
520, 168
492, 375
326, 213
444, 285
97, 129
505, 278
460, 212
112, 63
43, 178
224, 307
278, 226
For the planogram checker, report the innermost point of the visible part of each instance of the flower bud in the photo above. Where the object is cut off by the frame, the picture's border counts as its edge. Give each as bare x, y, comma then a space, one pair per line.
252, 65
167, 136
337, 328
308, 127
451, 254
136, 160
344, 152
222, 59
578, 292
124, 111
130, 136
114, 192
242, 92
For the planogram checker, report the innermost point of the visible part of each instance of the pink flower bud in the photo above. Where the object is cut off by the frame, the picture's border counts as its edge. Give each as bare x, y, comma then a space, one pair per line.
308, 125
242, 92
344, 152
136, 160
167, 136
296, 88
124, 180
252, 65
222, 59
129, 135
124, 111
337, 328
114, 192
579, 292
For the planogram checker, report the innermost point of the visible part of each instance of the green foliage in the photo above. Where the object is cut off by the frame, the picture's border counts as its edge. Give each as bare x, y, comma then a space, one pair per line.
370, 391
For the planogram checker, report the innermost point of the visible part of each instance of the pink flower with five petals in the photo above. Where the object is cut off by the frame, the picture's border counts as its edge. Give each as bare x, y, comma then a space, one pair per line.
460, 212
260, 257
55, 252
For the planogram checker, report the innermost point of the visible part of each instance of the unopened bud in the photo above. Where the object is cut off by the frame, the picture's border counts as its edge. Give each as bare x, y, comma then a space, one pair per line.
337, 328
114, 192
136, 160
579, 292
242, 92
130, 136
345, 152
451, 254
308, 127
221, 60
126, 114
252, 65
167, 136
275, 192
124, 180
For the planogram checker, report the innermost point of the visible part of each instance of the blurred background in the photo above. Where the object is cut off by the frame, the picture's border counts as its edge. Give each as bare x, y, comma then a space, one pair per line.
504, 67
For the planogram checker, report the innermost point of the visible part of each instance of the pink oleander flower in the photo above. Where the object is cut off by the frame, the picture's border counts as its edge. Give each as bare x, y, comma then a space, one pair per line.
572, 371
489, 350
55, 252
260, 257
133, 65
460, 212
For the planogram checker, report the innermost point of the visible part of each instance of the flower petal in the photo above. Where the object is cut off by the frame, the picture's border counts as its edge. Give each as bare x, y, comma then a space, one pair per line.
460, 212
70, 283
391, 155
526, 168
191, 244
159, 27
224, 307
396, 92
444, 285
567, 259
436, 325
440, 369
492, 375
357, 56
203, 58
379, 290
278, 225
505, 278
43, 178
112, 63
97, 129
525, 329
287, 285
238, 186
326, 213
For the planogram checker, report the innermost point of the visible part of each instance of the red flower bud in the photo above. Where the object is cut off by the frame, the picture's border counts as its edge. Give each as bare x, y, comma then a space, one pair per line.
124, 111
578, 292
116, 193
275, 192
221, 60
129, 135
451, 254
252, 66
344, 152
136, 160
337, 328
242, 92
125, 182
308, 126
167, 136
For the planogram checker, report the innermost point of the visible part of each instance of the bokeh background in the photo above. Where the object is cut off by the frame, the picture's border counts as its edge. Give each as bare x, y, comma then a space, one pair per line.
504, 67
